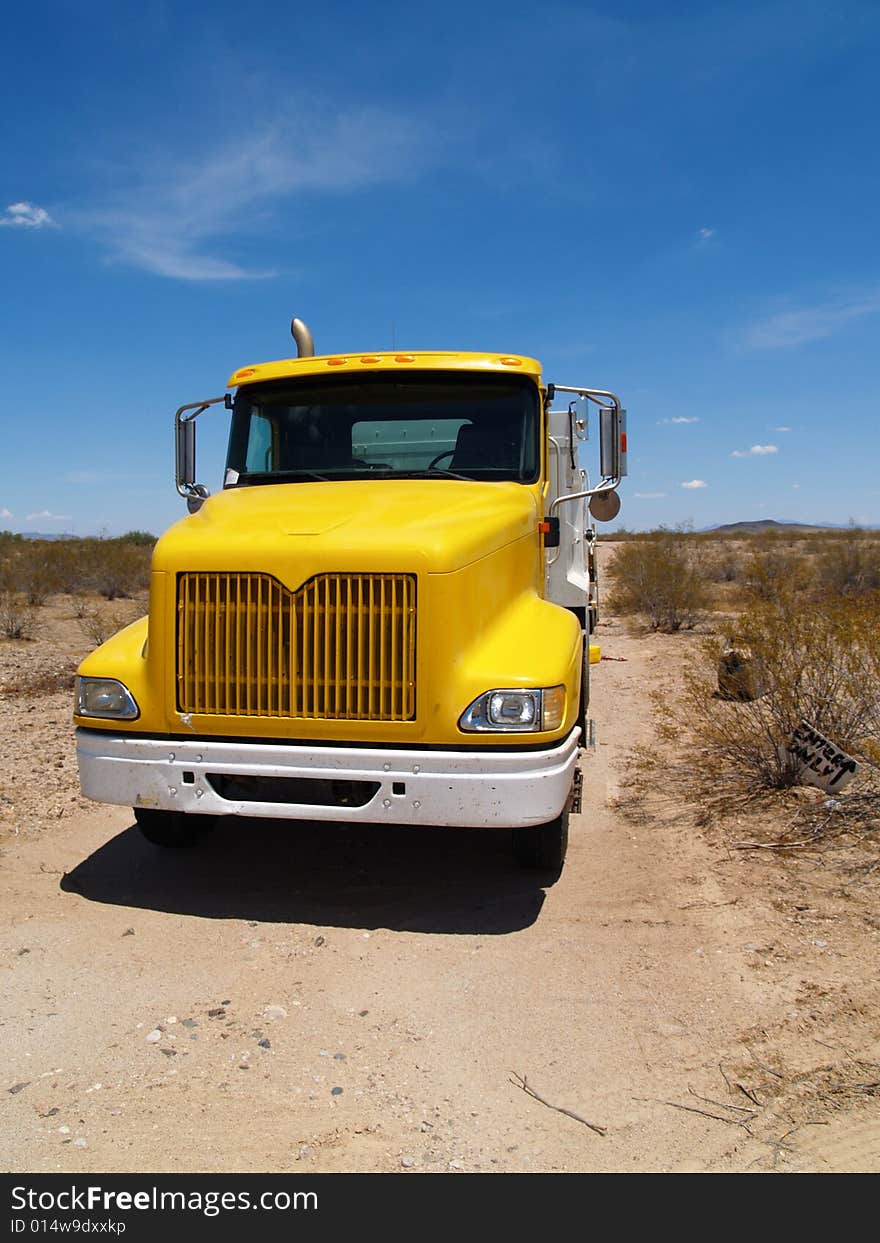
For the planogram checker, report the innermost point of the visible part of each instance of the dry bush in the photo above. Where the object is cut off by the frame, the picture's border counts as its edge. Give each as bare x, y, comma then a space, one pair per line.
118, 568
661, 576
111, 568
80, 604
33, 570
17, 616
100, 623
822, 666
850, 565
724, 562
46, 682
619, 536
774, 566
40, 570
144, 539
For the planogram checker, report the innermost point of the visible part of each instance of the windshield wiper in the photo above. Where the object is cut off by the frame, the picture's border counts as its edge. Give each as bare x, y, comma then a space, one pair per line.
281, 476
428, 474
278, 476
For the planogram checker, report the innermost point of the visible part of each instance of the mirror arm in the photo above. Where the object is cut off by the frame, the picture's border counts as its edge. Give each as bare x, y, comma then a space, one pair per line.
607, 485
185, 448
612, 441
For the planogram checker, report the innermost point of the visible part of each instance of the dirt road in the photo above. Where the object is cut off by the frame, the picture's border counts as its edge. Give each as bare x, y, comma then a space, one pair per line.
311, 998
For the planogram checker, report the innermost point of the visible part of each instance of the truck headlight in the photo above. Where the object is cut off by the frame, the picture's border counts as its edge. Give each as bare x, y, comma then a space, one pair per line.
518, 711
105, 697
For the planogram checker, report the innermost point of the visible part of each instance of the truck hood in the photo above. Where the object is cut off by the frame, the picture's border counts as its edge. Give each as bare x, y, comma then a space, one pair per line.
436, 525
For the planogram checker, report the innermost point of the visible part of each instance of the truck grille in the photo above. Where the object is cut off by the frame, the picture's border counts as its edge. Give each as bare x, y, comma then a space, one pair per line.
342, 647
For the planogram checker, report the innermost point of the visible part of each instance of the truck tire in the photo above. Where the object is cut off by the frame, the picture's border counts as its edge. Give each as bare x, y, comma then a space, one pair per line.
170, 828
543, 846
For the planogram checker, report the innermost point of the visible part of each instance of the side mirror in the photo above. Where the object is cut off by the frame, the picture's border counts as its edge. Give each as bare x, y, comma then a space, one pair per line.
185, 431
604, 503
185, 451
604, 506
612, 442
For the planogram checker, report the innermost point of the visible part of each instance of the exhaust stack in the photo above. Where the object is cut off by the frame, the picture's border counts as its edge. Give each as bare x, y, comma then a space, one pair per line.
305, 346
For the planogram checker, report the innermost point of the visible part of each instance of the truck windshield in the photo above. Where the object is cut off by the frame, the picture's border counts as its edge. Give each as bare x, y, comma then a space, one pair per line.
407, 425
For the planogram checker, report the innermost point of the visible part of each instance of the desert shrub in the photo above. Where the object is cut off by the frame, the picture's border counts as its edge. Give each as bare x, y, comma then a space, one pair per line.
142, 538
45, 682
818, 665
39, 569
98, 624
80, 604
73, 566
112, 568
661, 576
10, 572
773, 567
849, 565
724, 563
17, 616
115, 568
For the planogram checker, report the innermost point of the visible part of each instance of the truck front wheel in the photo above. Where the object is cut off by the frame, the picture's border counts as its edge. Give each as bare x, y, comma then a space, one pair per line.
543, 846
170, 828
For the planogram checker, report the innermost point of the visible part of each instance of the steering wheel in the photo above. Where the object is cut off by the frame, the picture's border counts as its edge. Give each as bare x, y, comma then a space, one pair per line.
439, 458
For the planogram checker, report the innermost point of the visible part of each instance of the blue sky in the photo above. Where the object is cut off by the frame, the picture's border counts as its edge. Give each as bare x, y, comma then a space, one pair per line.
674, 202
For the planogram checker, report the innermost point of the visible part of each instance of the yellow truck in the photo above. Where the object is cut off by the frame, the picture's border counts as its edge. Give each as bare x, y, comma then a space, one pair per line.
382, 618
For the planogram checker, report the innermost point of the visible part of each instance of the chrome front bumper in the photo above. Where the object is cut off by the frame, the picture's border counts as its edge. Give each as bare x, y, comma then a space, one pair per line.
500, 789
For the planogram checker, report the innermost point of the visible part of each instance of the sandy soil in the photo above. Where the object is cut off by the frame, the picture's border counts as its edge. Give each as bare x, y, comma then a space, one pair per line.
310, 998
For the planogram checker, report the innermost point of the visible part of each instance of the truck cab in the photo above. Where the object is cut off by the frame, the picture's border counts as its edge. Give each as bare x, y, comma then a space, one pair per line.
382, 617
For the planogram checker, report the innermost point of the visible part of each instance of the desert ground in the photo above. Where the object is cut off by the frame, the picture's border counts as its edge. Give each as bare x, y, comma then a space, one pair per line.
305, 998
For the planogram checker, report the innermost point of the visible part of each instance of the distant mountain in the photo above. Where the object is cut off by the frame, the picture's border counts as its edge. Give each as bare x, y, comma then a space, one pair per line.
771, 524
50, 535
762, 524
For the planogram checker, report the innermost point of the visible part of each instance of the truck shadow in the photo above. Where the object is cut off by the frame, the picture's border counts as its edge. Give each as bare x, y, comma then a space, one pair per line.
423, 880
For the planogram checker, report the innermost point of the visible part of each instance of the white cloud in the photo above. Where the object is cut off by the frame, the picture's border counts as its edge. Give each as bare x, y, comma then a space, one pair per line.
6, 513
25, 216
705, 235
679, 418
650, 496
781, 429
178, 214
791, 328
45, 516
755, 451
694, 483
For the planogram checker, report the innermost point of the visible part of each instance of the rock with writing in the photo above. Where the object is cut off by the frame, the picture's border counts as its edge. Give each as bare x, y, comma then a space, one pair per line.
818, 761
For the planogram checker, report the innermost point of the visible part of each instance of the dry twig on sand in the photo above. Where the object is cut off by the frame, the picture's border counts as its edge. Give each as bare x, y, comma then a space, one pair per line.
771, 845
520, 1081
692, 1109
740, 1109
